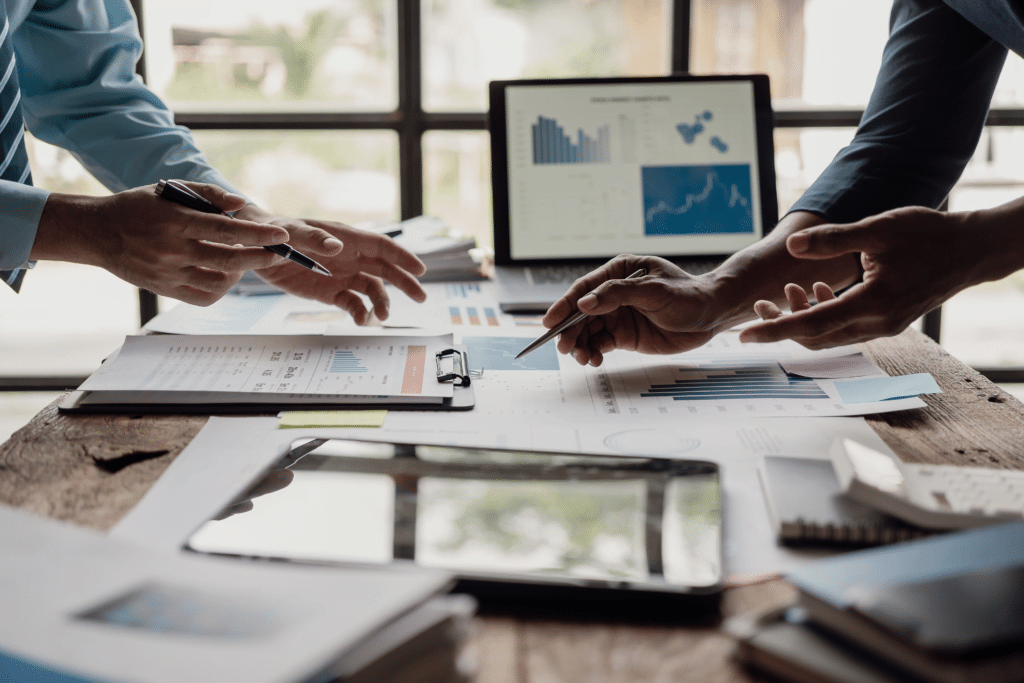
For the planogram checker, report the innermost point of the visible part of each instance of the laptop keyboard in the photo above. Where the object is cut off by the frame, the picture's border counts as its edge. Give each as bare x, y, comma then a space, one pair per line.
556, 275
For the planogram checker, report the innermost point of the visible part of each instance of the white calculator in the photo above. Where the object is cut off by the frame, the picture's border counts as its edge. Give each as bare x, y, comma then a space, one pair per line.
929, 496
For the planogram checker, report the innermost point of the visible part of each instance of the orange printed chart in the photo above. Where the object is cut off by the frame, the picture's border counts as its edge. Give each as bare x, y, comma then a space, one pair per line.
415, 366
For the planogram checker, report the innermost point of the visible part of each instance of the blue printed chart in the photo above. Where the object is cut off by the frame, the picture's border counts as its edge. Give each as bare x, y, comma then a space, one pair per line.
756, 379
344, 360
722, 379
694, 200
499, 353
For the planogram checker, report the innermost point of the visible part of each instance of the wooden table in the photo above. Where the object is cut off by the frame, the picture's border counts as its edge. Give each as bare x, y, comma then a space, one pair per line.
91, 470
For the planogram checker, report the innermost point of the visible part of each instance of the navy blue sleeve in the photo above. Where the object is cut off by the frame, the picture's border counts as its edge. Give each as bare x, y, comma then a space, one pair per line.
923, 120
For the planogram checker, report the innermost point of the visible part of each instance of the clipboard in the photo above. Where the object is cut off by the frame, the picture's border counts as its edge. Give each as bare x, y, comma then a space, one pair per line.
452, 366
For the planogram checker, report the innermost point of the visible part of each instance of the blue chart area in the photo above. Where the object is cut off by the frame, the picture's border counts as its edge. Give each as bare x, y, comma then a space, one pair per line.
723, 380
691, 131
695, 200
551, 144
346, 361
499, 353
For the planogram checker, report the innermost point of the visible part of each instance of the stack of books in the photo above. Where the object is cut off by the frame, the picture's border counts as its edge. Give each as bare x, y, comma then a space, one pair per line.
945, 609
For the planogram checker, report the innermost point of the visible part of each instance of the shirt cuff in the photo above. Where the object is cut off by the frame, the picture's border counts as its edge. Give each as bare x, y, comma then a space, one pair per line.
19, 222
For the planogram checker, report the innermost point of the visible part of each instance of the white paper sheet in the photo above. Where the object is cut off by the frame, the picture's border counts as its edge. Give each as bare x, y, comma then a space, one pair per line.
276, 364
79, 602
229, 453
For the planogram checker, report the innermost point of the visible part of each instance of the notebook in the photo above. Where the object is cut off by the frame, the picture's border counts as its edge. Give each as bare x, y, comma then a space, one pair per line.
806, 505
585, 169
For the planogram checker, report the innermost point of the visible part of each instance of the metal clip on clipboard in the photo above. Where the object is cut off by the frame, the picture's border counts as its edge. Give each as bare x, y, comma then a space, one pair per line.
459, 368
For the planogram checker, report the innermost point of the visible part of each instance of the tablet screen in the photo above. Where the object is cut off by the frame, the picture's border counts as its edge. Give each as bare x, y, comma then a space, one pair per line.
493, 517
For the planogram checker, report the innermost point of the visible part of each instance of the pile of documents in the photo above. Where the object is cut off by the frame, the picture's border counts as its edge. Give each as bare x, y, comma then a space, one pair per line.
447, 255
84, 607
946, 609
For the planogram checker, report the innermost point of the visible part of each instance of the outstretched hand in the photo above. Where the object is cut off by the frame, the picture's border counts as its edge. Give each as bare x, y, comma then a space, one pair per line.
665, 311
157, 244
360, 263
913, 260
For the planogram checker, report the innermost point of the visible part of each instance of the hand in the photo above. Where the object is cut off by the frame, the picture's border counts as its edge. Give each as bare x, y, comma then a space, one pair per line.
360, 262
156, 244
665, 311
274, 480
913, 260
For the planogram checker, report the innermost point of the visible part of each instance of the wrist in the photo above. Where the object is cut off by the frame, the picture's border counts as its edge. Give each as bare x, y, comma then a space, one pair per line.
762, 270
67, 230
995, 237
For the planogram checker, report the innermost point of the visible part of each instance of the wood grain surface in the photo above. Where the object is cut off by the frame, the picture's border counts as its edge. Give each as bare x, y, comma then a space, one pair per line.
91, 469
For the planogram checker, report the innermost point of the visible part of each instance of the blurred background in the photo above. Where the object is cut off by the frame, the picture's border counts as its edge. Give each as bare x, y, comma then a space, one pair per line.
357, 110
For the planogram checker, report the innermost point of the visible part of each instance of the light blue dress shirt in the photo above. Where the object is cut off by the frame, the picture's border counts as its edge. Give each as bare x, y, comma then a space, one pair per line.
76, 66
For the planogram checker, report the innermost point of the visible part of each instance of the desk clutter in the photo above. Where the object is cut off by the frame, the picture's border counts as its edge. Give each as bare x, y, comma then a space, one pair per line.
554, 484
84, 607
939, 610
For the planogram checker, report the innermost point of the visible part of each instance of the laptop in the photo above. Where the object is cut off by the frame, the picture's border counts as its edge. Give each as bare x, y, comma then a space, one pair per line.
585, 169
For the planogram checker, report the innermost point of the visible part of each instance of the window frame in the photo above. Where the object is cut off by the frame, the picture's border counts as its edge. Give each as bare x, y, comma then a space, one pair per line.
410, 123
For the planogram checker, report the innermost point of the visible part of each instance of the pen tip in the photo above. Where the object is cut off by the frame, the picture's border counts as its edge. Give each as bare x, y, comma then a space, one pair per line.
321, 270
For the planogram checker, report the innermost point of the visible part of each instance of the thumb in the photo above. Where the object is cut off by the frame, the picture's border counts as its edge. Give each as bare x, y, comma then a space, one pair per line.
828, 241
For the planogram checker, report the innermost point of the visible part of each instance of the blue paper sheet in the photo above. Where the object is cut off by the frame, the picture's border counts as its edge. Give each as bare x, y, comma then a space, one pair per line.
886, 388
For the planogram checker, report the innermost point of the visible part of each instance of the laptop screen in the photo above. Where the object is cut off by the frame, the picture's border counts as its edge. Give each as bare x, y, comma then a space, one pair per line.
590, 168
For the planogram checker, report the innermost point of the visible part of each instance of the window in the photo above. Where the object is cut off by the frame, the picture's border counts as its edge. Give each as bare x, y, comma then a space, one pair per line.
365, 109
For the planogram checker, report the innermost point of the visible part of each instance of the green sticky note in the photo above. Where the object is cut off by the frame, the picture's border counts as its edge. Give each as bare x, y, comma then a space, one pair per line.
304, 419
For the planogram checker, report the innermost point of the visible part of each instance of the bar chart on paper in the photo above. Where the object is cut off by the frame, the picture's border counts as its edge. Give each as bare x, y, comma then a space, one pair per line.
720, 379
756, 379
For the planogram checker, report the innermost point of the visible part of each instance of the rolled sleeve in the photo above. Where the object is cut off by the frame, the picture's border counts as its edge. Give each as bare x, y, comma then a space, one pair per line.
923, 121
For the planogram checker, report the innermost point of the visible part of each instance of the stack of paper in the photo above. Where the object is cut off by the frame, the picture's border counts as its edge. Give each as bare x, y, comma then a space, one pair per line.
946, 609
248, 371
446, 254
94, 608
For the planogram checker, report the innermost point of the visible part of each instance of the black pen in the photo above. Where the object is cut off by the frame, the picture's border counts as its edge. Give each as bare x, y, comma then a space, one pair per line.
182, 194
565, 324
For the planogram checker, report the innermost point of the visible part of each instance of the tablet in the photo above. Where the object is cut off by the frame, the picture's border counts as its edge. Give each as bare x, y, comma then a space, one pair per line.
530, 531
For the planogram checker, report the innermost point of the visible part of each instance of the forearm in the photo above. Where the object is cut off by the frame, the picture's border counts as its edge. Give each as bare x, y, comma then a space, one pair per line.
761, 272
993, 246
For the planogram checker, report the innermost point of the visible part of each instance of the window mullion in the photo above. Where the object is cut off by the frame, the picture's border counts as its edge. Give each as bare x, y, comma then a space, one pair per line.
410, 107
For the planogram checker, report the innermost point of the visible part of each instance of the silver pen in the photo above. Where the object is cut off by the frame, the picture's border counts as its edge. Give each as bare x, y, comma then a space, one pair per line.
565, 324
184, 195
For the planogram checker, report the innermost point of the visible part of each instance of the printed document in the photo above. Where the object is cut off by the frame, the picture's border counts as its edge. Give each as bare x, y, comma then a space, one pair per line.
308, 365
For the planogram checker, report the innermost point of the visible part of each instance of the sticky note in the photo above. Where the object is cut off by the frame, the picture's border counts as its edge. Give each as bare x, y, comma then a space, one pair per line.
886, 388
304, 419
